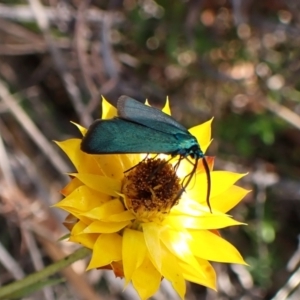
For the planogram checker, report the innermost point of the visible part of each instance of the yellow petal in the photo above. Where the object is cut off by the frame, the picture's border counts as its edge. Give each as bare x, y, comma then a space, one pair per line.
187, 206
86, 240
186, 167
103, 211
228, 199
82, 199
110, 165
166, 109
206, 278
127, 161
81, 128
202, 133
172, 271
105, 227
71, 186
108, 111
133, 251
122, 216
220, 182
152, 239
217, 248
208, 221
107, 248
99, 183
177, 243
79, 227
83, 162
103, 214
146, 279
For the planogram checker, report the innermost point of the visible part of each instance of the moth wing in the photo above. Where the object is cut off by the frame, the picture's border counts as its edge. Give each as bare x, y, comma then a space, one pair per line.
117, 136
135, 111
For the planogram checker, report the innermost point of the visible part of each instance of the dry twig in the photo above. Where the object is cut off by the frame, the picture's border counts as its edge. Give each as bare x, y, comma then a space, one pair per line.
32, 130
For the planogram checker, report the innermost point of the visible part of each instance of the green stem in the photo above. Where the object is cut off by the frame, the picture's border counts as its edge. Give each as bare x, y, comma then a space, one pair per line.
46, 272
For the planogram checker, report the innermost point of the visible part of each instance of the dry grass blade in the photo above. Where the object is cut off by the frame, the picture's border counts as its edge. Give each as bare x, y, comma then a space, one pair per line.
4, 161
35, 134
282, 112
287, 289
67, 77
10, 264
81, 49
23, 13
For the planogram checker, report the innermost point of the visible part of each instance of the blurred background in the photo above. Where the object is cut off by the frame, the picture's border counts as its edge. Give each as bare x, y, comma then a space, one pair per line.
236, 60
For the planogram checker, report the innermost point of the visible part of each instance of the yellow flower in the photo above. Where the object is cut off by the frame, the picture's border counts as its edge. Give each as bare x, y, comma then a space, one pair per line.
125, 209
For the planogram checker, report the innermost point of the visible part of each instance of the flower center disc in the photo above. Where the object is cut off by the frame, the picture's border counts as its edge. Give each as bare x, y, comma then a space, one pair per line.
151, 188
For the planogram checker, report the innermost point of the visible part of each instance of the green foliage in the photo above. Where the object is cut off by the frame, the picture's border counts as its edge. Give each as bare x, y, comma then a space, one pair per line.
37, 286
249, 133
